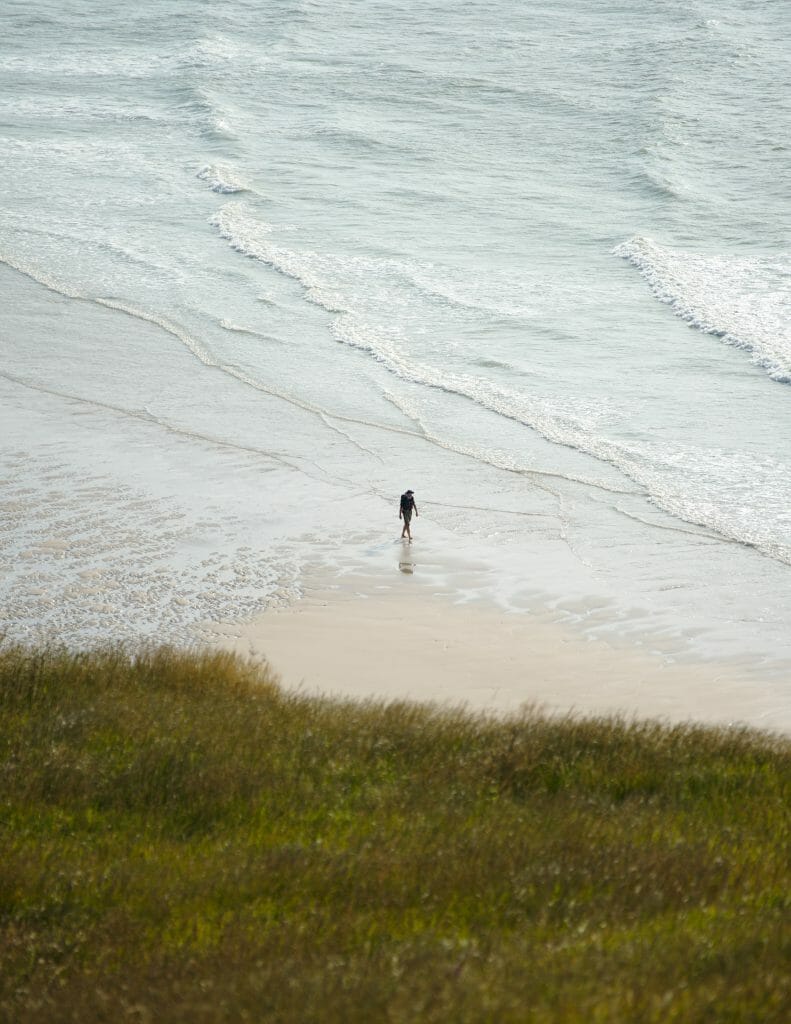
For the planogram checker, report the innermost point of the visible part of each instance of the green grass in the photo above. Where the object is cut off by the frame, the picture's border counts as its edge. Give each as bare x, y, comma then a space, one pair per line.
181, 840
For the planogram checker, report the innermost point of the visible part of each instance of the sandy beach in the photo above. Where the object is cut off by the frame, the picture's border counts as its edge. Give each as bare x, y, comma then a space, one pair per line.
366, 638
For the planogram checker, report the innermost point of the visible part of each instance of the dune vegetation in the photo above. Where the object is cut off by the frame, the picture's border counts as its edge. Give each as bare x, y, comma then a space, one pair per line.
183, 840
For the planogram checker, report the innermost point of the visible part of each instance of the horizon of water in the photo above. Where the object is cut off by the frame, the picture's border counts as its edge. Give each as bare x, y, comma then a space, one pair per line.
530, 260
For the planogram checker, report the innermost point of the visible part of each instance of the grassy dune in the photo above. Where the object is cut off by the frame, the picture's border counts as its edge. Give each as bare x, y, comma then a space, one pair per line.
180, 840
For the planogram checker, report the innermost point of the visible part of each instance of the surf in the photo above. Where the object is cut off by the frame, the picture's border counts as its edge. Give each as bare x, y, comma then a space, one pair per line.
745, 301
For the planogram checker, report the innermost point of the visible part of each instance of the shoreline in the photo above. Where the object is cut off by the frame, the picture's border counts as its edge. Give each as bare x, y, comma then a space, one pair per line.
568, 611
365, 639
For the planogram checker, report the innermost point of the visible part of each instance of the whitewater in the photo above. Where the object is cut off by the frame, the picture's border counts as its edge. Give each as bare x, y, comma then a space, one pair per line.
263, 268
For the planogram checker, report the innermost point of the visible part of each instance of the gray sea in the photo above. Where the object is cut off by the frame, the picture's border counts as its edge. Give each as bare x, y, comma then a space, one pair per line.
265, 265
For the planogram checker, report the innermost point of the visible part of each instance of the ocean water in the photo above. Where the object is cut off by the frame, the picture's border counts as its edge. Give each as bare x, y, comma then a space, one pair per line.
267, 265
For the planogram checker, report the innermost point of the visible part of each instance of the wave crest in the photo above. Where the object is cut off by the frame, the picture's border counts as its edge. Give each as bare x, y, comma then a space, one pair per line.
744, 300
221, 179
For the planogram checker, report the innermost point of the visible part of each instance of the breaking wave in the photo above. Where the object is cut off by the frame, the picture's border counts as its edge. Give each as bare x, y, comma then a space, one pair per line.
221, 179
744, 300
670, 475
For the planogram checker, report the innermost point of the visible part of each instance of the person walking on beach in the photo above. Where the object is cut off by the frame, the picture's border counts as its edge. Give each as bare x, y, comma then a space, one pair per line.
405, 510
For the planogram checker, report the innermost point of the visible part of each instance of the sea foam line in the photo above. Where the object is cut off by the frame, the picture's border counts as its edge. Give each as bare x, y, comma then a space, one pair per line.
743, 300
201, 353
557, 424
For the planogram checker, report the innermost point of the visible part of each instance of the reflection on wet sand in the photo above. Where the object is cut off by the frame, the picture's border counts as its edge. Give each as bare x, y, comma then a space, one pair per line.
406, 561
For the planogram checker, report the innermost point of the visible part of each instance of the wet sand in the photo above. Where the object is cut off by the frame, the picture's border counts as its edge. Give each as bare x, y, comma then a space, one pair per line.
365, 640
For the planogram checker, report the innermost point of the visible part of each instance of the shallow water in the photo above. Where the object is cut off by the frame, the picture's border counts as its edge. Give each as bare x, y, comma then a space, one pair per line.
267, 268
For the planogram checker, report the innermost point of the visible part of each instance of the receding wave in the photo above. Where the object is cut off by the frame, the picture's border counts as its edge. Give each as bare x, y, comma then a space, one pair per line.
55, 285
500, 301
744, 300
565, 424
252, 238
574, 425
193, 345
74, 240
319, 273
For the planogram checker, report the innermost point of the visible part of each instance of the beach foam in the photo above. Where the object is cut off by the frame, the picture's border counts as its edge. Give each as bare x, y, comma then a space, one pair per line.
744, 300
